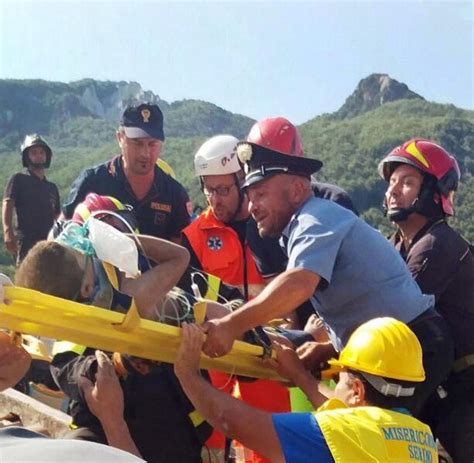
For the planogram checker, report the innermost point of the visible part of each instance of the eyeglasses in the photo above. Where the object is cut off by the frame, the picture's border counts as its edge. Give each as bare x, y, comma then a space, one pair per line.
219, 191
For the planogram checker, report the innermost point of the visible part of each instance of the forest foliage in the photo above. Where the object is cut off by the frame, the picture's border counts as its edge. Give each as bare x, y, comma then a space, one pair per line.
350, 148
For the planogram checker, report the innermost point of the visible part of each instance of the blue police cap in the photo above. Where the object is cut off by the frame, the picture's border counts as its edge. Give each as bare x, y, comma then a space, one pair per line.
143, 121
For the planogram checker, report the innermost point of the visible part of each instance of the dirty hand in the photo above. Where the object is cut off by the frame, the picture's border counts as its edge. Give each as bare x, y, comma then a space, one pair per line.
189, 353
104, 397
14, 362
288, 363
220, 337
315, 354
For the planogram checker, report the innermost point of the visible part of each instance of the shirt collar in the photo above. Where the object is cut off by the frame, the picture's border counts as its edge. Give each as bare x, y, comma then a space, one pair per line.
116, 170
31, 174
287, 230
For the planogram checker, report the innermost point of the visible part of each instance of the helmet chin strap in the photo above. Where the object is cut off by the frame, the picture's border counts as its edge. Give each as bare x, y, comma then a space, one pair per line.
241, 199
399, 214
424, 204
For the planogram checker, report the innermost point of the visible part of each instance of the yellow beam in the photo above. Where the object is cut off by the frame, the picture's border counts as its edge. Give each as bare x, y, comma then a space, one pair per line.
32, 312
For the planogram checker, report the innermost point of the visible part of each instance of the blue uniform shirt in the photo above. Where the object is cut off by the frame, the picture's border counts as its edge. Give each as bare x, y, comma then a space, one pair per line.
363, 275
268, 255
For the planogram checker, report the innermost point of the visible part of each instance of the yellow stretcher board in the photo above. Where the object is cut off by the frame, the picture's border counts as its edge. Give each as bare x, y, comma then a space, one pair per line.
32, 312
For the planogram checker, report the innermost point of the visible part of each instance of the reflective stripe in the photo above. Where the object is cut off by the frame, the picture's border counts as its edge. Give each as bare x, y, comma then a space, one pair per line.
196, 418
111, 274
213, 285
60, 347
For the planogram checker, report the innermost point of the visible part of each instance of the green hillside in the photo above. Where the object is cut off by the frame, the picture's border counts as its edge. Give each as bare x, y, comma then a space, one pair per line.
350, 147
87, 112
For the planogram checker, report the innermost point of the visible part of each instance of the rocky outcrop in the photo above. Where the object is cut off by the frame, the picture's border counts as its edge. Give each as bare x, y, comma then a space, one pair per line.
108, 100
372, 92
87, 112
40, 106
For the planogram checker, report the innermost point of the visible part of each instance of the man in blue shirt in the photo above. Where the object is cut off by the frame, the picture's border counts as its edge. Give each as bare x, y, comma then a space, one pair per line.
348, 269
279, 134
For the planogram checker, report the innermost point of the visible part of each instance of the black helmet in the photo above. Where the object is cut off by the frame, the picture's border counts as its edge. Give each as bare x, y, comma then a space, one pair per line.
33, 140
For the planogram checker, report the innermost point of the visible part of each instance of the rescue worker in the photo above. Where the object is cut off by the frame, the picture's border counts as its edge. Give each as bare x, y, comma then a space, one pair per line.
423, 178
369, 417
347, 287
218, 245
162, 422
103, 395
134, 178
281, 135
216, 240
33, 198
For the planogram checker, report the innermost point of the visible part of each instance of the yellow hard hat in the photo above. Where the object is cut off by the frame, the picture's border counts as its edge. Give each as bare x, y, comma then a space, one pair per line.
384, 347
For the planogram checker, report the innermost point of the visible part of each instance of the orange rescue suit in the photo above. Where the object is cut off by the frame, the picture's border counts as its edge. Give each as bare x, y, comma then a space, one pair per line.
220, 252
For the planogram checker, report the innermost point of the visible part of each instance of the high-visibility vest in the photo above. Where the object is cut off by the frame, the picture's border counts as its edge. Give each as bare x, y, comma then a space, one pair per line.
220, 252
373, 434
218, 249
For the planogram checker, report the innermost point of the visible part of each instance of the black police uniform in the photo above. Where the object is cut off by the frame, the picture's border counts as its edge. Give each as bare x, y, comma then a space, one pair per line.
442, 263
36, 204
161, 213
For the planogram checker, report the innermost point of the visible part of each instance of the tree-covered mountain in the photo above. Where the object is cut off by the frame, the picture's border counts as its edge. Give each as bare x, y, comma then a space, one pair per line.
352, 148
79, 120
87, 112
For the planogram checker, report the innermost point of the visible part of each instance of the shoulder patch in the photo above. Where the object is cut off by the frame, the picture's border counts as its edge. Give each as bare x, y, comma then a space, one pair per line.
214, 243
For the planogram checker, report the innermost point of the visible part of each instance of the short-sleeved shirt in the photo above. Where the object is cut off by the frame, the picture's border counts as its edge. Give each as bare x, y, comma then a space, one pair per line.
36, 204
363, 275
301, 437
269, 257
162, 212
442, 263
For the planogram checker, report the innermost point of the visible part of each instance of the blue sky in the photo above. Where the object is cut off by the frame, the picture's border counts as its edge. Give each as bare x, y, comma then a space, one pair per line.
297, 59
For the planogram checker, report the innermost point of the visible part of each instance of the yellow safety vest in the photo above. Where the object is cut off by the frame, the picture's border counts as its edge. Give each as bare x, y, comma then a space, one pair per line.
373, 434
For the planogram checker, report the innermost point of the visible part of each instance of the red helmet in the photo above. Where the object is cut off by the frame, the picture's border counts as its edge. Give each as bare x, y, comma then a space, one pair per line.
278, 134
431, 159
105, 204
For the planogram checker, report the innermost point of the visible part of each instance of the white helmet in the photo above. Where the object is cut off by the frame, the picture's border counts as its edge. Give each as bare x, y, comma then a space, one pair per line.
217, 156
